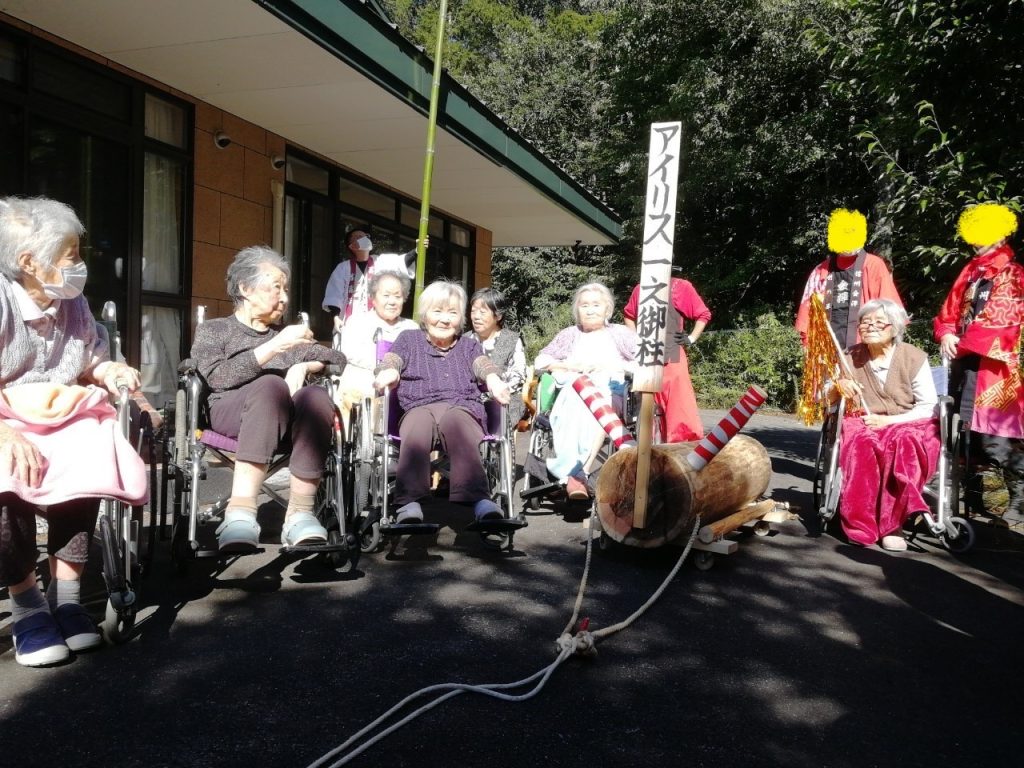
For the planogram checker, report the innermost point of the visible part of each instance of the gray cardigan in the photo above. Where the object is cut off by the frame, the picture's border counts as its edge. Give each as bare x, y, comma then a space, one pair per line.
72, 347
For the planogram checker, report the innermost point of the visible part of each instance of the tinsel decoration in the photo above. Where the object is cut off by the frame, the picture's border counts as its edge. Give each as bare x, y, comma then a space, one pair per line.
821, 363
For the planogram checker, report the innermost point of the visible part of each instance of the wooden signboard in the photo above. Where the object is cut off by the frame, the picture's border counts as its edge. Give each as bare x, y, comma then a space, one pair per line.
655, 293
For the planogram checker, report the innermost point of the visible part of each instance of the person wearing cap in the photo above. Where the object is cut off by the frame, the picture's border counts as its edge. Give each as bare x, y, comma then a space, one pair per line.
847, 279
978, 328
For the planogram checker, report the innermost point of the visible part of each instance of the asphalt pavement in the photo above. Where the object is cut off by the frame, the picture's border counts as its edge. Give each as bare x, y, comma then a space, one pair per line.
797, 650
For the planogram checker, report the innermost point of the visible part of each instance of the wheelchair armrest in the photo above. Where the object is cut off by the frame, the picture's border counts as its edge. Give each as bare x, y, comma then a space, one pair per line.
945, 413
188, 365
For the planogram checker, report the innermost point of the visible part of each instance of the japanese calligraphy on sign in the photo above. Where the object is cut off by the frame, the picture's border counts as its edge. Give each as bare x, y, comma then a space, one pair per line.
656, 258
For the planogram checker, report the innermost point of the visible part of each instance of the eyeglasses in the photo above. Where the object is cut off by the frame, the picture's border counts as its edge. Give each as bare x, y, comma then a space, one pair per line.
875, 325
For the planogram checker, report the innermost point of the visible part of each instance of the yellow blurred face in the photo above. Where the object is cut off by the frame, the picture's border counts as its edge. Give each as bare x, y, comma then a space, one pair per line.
388, 299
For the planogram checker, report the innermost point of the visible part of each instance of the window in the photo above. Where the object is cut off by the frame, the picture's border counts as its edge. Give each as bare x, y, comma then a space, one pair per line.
165, 121
307, 176
391, 220
119, 155
91, 174
80, 84
11, 56
364, 198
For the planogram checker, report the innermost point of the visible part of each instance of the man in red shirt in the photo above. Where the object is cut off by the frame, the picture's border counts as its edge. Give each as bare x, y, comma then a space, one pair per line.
847, 279
677, 404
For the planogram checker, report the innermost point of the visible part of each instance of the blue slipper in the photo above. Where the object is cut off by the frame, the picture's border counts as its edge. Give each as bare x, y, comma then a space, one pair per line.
38, 642
485, 509
77, 627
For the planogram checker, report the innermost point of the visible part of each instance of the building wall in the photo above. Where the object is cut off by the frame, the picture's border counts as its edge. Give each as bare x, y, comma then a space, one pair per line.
233, 200
482, 273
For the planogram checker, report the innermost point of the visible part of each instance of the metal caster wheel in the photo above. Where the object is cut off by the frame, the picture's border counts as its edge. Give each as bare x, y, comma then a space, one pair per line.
703, 560
370, 539
961, 535
117, 626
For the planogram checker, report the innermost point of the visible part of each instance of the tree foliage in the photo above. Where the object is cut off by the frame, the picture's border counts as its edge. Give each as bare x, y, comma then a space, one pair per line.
905, 109
940, 103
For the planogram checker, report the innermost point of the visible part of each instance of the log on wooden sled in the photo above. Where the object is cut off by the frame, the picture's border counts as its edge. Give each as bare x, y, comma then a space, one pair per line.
677, 493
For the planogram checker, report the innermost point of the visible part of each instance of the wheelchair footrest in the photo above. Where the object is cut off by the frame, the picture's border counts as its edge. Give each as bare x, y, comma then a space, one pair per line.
313, 549
207, 554
409, 529
497, 526
539, 490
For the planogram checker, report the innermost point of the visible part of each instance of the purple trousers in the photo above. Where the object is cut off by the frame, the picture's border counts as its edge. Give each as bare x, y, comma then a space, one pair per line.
263, 416
459, 434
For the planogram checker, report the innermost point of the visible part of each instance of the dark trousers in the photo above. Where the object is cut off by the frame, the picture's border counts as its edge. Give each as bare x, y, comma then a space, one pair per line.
264, 418
71, 524
459, 434
1005, 452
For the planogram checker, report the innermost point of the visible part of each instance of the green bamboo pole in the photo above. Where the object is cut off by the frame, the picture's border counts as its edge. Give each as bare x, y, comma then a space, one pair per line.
428, 162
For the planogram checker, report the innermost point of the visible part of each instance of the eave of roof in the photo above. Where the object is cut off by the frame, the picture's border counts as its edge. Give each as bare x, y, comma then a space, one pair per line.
335, 77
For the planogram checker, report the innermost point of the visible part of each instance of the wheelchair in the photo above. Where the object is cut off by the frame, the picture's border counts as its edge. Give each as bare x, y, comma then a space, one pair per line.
945, 522
119, 525
374, 437
538, 483
189, 440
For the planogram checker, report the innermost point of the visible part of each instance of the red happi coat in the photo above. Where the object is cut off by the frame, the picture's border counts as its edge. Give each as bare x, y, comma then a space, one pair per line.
994, 335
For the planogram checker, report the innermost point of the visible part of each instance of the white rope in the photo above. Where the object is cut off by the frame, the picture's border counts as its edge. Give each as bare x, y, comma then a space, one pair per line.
582, 643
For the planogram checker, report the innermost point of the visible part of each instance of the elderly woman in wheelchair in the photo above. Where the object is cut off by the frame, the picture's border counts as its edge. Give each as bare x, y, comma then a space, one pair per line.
890, 438
255, 370
363, 332
59, 443
438, 372
602, 352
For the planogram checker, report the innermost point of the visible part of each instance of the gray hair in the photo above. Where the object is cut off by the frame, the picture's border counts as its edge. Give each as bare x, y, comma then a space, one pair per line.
35, 225
441, 293
599, 288
246, 270
894, 314
375, 281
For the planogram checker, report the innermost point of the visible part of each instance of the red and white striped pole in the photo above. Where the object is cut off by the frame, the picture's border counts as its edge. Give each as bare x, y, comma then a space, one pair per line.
603, 411
727, 428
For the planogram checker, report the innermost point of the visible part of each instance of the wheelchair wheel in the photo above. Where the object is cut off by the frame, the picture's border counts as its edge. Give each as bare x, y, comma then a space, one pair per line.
370, 539
117, 625
540, 448
329, 509
960, 538
180, 427
181, 548
121, 571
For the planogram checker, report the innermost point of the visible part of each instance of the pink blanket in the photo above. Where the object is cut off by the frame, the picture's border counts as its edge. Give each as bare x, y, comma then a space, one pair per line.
76, 430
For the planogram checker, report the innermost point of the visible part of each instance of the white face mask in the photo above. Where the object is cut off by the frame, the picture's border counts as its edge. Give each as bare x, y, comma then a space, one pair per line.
73, 277
364, 243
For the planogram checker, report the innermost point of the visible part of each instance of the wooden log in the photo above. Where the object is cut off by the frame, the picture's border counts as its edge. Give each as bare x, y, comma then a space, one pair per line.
719, 528
676, 493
